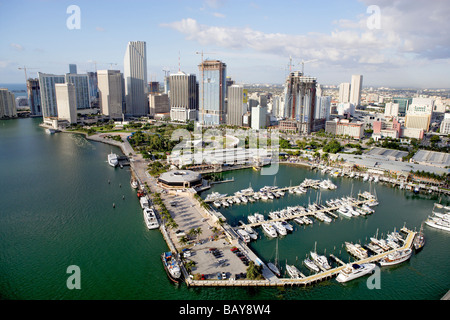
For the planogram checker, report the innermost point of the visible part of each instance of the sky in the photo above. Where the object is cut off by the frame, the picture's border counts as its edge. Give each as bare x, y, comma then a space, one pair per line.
401, 43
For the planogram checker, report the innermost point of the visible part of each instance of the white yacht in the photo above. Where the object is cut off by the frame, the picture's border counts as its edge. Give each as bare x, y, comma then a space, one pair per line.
252, 219
311, 265
113, 159
279, 228
287, 226
269, 229
252, 234
150, 218
322, 261
396, 257
307, 220
293, 271
216, 204
344, 211
259, 217
144, 202
299, 220
438, 223
244, 235
354, 271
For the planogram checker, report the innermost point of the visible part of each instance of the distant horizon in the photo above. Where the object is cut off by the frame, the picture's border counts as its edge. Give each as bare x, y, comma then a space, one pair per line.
281, 84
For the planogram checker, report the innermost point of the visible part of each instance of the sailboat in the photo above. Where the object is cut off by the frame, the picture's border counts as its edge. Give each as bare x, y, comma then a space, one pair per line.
273, 267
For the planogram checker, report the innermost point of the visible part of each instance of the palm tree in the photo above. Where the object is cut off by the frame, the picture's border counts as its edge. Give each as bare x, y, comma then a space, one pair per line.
198, 231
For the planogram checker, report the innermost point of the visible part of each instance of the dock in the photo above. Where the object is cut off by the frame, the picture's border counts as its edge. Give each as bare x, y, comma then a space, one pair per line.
307, 280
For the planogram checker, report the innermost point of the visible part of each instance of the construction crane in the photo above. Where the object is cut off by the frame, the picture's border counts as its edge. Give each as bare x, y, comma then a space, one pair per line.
25, 69
203, 82
26, 77
303, 64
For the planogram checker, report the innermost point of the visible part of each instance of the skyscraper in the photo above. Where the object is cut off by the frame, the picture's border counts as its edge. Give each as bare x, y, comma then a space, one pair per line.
48, 97
66, 101
344, 92
212, 110
110, 87
237, 105
300, 100
73, 68
7, 104
34, 97
183, 97
355, 90
135, 75
81, 84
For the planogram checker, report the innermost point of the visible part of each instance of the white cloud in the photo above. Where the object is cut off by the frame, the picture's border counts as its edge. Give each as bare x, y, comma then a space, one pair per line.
218, 15
17, 46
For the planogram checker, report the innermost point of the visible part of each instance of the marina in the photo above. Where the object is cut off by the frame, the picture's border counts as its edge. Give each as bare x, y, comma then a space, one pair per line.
115, 243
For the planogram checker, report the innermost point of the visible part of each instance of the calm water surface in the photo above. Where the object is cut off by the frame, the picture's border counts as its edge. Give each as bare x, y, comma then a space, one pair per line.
57, 210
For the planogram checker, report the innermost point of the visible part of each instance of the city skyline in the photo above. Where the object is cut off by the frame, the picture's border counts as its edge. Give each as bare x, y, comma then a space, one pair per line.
256, 39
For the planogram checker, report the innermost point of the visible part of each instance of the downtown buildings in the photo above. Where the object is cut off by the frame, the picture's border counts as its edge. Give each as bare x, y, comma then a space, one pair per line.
135, 75
183, 97
111, 93
7, 104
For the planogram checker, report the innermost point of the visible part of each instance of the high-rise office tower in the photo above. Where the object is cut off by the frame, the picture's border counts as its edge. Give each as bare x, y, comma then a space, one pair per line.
237, 105
73, 68
48, 97
7, 104
183, 97
344, 92
355, 90
66, 101
34, 97
135, 76
93, 88
81, 84
212, 92
300, 100
111, 97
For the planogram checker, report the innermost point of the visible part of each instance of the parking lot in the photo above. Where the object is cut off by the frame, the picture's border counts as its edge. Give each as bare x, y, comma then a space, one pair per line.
215, 257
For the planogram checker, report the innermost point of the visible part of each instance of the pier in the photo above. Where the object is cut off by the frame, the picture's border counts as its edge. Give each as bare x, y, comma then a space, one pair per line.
306, 280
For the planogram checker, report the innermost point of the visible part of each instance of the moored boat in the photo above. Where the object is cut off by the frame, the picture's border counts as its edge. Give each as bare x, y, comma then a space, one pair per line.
396, 257
293, 272
354, 271
171, 266
113, 159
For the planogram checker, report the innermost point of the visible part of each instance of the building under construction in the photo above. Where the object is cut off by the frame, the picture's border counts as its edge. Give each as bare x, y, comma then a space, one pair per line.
300, 102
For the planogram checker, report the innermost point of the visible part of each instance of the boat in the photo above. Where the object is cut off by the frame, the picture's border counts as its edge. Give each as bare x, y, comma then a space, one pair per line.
320, 260
269, 229
252, 234
150, 219
216, 204
274, 269
354, 271
311, 265
144, 202
259, 217
356, 250
344, 211
113, 159
171, 266
287, 226
279, 228
244, 235
307, 220
396, 257
293, 272
438, 223
134, 184
252, 219
50, 131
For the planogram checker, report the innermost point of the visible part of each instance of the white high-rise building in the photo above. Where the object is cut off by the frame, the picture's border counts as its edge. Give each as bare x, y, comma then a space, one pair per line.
135, 75
259, 117
110, 89
344, 92
355, 89
66, 101
48, 98
391, 109
81, 83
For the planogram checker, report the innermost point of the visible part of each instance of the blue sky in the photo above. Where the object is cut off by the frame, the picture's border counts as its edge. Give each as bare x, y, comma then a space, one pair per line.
409, 48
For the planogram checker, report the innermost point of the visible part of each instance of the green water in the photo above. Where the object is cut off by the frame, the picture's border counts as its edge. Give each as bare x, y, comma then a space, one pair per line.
57, 210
